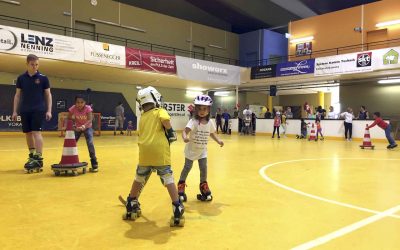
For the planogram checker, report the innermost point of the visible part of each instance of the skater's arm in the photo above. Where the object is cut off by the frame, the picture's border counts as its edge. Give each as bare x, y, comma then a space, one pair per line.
185, 134
373, 124
167, 124
89, 120
49, 102
216, 139
171, 134
16, 103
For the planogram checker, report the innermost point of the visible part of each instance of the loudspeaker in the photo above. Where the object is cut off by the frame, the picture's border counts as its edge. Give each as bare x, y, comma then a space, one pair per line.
272, 90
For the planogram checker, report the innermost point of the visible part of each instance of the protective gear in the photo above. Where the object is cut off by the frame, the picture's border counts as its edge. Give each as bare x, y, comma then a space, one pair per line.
142, 179
203, 100
171, 135
149, 95
167, 179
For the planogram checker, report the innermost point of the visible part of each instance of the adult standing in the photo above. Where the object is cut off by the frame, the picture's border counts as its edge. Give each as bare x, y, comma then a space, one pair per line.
267, 114
226, 116
119, 118
289, 114
218, 119
331, 113
34, 101
348, 123
363, 114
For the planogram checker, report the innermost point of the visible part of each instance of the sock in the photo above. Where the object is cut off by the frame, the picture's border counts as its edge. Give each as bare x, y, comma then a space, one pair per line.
38, 154
32, 150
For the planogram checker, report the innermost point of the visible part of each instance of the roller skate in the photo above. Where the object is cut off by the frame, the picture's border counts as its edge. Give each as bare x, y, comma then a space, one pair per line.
35, 163
181, 191
391, 146
205, 193
95, 166
132, 209
177, 219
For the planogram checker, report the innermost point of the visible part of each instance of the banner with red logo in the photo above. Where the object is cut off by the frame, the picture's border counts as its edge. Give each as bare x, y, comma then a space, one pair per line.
150, 61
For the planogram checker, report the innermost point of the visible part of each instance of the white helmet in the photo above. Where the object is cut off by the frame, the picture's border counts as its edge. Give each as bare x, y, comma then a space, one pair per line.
203, 100
149, 95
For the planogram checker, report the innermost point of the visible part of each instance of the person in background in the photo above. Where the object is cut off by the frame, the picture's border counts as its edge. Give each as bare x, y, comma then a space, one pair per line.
218, 119
277, 124
385, 126
253, 123
119, 118
289, 114
284, 123
348, 123
129, 128
320, 113
364, 114
267, 114
235, 113
331, 113
319, 128
226, 116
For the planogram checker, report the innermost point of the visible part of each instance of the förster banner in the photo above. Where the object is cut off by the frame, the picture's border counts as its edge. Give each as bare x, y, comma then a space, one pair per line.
24, 42
205, 71
150, 61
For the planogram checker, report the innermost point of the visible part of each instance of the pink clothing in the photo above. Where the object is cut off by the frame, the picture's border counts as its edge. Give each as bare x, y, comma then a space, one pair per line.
277, 122
81, 116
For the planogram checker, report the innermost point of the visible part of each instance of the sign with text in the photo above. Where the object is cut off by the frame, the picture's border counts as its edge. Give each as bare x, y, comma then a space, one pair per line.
295, 68
260, 72
45, 45
386, 58
104, 53
344, 64
150, 61
205, 71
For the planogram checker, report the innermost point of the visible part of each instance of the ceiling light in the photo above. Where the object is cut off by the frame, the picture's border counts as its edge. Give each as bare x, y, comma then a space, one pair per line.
389, 81
388, 23
221, 93
287, 35
138, 87
192, 93
303, 39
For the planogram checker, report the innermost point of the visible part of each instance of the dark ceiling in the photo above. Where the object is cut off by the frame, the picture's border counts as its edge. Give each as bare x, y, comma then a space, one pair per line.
241, 16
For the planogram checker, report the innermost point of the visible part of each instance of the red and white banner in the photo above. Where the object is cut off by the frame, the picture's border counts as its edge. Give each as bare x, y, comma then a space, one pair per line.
150, 61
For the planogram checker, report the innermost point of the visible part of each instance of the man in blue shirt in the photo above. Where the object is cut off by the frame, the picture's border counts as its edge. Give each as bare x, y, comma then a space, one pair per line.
33, 101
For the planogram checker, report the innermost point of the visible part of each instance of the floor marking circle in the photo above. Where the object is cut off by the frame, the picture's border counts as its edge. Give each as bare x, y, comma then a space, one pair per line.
343, 204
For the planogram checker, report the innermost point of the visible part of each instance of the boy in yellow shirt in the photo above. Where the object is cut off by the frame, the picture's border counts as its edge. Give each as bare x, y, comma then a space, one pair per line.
155, 136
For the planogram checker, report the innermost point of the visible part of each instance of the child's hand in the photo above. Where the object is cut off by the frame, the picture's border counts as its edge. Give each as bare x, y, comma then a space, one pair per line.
186, 140
221, 143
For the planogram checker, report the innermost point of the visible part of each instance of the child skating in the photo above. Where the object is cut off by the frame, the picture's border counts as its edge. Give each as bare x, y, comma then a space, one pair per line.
303, 130
129, 128
277, 124
196, 136
155, 136
319, 128
82, 116
385, 126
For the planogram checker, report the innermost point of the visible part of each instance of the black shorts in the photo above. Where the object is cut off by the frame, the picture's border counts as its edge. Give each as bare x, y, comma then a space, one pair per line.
32, 121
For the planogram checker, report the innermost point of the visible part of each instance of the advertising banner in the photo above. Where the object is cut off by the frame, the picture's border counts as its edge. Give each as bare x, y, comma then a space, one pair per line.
295, 68
344, 64
260, 72
205, 71
150, 61
303, 49
386, 58
45, 45
104, 53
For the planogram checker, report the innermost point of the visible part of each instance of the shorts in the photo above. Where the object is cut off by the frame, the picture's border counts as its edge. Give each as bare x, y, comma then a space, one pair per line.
146, 171
119, 122
32, 121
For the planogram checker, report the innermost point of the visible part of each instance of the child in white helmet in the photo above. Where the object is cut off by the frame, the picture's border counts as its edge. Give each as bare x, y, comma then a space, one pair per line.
196, 136
155, 136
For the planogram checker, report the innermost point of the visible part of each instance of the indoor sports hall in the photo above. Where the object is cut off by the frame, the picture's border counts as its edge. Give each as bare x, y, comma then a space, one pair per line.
289, 108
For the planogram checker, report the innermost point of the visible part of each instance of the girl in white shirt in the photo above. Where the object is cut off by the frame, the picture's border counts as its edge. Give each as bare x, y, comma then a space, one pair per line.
348, 123
196, 136
331, 114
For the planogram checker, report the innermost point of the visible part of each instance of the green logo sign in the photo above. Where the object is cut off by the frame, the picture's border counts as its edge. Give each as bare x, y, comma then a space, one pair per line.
391, 57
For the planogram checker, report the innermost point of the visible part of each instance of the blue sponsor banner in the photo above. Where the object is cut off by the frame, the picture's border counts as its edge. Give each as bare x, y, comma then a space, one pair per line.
295, 68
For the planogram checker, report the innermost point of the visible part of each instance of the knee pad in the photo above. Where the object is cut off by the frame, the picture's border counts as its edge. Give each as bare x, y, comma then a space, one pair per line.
167, 179
142, 179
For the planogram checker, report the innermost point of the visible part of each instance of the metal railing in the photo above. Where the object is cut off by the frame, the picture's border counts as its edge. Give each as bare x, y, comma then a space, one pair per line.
68, 31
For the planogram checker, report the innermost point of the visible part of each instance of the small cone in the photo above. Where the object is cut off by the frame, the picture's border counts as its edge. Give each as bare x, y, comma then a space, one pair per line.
367, 140
70, 151
312, 133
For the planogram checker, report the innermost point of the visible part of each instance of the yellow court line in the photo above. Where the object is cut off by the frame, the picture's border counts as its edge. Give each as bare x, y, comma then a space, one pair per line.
268, 179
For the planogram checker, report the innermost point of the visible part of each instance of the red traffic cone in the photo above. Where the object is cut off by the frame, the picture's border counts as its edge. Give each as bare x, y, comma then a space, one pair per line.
312, 134
69, 159
367, 140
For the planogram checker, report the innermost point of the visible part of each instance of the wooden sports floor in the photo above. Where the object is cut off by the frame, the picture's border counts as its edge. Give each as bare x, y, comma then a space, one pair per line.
268, 194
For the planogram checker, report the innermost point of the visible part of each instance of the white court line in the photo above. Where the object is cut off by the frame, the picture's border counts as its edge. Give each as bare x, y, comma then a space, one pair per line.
348, 229
268, 179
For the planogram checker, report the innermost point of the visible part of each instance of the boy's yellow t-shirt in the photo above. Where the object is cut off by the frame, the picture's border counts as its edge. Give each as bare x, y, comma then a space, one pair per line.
153, 144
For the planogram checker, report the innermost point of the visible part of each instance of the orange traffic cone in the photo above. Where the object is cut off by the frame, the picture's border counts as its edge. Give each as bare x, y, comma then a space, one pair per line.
69, 160
367, 140
312, 134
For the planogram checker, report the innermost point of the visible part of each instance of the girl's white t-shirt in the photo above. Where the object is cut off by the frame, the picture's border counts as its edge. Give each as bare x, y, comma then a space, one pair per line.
196, 148
348, 117
332, 115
